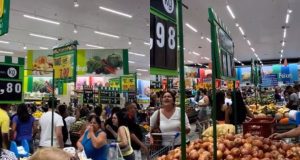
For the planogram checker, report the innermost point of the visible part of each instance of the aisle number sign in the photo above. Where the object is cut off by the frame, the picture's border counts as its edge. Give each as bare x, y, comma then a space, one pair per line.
4, 16
128, 83
11, 80
65, 63
163, 35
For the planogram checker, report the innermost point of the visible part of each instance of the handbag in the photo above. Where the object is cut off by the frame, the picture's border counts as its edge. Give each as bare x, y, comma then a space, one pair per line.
157, 139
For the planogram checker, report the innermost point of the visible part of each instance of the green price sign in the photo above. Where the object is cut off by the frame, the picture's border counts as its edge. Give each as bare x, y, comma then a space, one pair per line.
4, 16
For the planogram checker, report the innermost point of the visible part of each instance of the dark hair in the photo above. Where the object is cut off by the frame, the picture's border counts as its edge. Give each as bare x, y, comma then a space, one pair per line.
220, 100
22, 113
62, 109
204, 91
83, 112
97, 119
98, 110
171, 93
121, 118
115, 110
240, 108
50, 102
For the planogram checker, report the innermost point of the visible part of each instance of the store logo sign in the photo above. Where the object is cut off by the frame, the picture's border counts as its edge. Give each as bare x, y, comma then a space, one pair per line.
284, 75
169, 5
12, 72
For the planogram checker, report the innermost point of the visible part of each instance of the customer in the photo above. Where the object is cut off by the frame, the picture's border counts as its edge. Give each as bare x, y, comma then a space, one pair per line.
203, 110
68, 121
94, 141
46, 125
293, 98
277, 94
23, 126
51, 154
169, 119
123, 135
241, 110
136, 134
221, 107
4, 125
77, 129
110, 129
6, 154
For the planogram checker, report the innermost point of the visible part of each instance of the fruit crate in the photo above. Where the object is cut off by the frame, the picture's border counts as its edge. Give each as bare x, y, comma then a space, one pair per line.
259, 126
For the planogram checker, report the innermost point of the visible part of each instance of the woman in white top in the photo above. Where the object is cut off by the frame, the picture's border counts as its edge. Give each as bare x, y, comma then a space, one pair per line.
169, 119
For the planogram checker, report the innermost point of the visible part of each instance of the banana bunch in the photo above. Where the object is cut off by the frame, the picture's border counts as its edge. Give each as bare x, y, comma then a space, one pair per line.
283, 110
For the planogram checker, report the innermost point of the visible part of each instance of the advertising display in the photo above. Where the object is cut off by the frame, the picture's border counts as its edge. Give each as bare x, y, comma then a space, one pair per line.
4, 16
11, 80
128, 83
114, 83
40, 62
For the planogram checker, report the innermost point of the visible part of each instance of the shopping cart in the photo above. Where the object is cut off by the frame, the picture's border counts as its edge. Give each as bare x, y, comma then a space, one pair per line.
115, 152
159, 150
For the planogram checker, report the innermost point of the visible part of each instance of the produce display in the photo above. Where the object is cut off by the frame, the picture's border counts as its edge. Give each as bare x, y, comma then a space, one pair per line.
222, 130
261, 111
105, 66
233, 147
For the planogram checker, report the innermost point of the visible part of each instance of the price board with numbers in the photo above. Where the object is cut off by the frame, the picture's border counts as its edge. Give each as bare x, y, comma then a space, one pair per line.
11, 79
64, 65
163, 37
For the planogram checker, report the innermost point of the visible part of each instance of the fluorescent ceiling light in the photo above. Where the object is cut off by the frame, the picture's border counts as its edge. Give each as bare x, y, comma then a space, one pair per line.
249, 43
195, 53
190, 61
44, 48
281, 56
41, 19
235, 59
237, 25
4, 42
284, 33
106, 34
142, 70
42, 36
139, 74
76, 4
24, 47
131, 62
146, 43
191, 27
206, 58
255, 54
241, 30
290, 11
137, 54
129, 42
208, 39
230, 11
283, 43
6, 52
115, 12
202, 37
94, 46
253, 49
281, 51
287, 18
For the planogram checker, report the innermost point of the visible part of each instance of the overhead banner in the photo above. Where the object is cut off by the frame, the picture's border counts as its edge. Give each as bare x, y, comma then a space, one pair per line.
40, 62
4, 16
11, 80
64, 65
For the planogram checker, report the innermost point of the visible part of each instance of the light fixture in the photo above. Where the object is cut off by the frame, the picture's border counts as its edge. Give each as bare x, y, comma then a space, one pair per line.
290, 11
4, 42
249, 43
146, 43
190, 61
44, 48
76, 4
24, 47
75, 29
208, 39
287, 18
202, 37
237, 25
42, 36
281, 56
115, 12
253, 49
191, 27
206, 58
106, 34
230, 11
281, 51
241, 30
131, 62
94, 46
235, 59
41, 19
137, 54
195, 53
139, 74
6, 52
142, 70
284, 33
283, 43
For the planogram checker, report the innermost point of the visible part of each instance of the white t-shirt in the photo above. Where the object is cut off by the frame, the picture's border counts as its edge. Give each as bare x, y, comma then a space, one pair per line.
229, 101
45, 123
171, 126
69, 120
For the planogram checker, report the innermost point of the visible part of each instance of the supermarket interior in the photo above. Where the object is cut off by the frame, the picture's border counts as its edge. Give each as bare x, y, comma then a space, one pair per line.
218, 80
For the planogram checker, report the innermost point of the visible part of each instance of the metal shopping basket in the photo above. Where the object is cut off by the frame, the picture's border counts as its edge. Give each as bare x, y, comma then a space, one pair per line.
115, 152
159, 150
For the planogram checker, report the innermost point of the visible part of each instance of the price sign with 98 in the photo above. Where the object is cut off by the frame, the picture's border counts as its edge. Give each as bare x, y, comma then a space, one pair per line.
10, 91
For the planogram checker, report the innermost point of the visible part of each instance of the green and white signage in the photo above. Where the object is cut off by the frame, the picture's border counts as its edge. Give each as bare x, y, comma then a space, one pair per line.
11, 79
4, 16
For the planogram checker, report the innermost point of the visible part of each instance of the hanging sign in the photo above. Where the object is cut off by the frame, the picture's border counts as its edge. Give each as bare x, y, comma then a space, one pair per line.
128, 83
11, 80
88, 95
114, 83
4, 16
163, 35
65, 62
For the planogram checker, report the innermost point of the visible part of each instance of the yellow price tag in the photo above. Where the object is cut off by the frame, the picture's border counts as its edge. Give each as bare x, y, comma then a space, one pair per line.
1, 7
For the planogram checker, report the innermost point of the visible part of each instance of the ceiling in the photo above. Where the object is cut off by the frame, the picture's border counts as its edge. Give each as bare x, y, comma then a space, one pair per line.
261, 21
